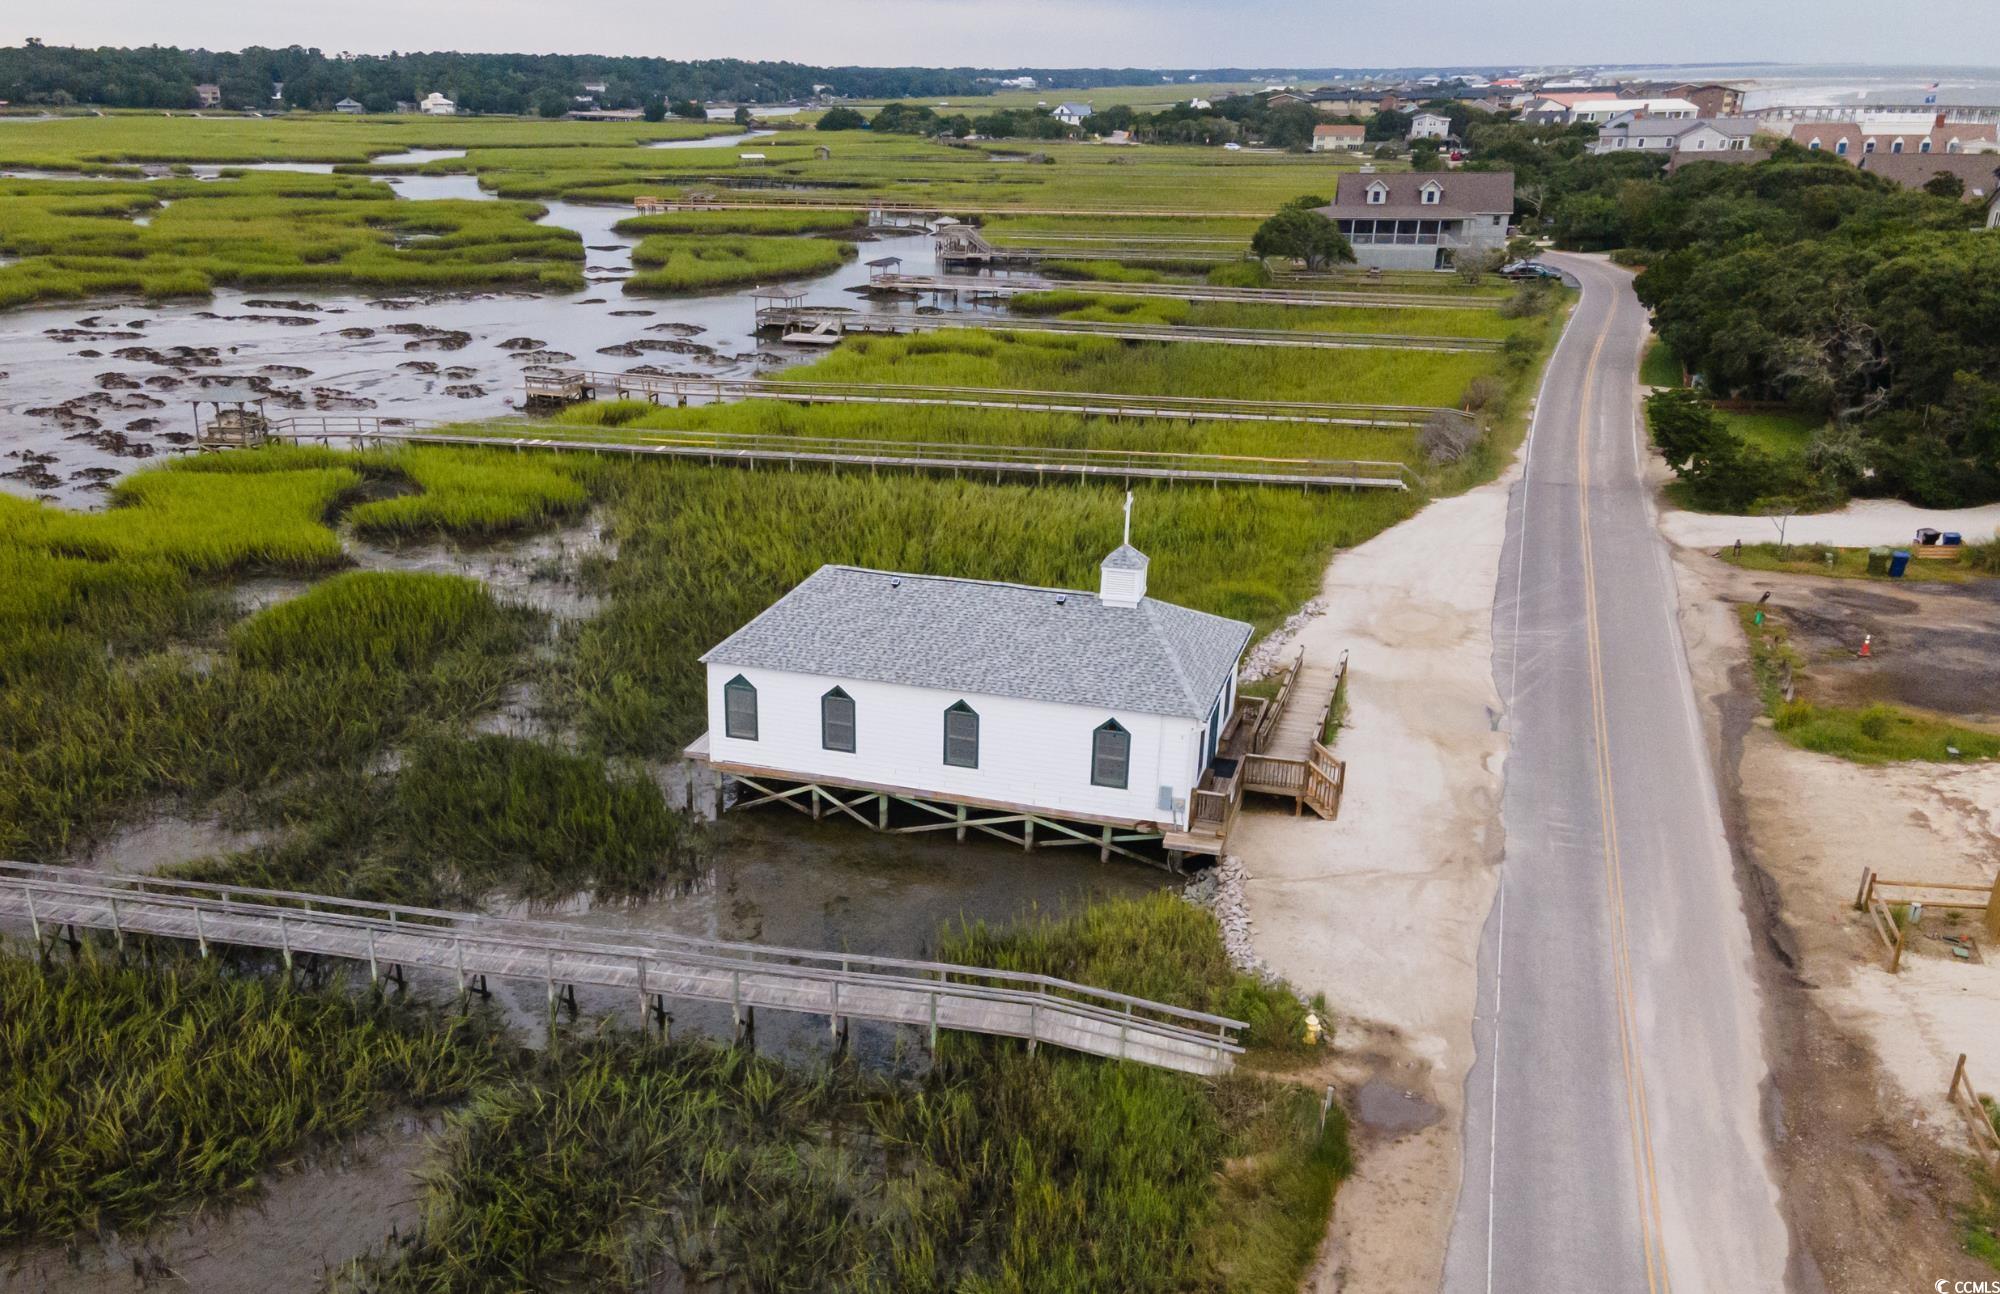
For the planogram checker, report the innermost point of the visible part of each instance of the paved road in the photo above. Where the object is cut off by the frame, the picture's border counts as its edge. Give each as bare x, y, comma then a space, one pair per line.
1613, 1137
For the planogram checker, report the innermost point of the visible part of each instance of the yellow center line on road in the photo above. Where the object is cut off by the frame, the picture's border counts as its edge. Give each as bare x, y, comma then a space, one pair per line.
1652, 1236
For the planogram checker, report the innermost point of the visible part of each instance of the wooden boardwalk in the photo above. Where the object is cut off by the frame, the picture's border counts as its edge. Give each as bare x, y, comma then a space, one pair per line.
976, 287
656, 968
751, 450
692, 202
555, 388
822, 325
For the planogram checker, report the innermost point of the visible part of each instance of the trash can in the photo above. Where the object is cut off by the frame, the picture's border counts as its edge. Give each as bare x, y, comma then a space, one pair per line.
1927, 536
1951, 539
1878, 561
1899, 561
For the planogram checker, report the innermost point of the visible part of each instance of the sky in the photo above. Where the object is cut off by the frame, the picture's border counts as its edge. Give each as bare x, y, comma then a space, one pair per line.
1058, 33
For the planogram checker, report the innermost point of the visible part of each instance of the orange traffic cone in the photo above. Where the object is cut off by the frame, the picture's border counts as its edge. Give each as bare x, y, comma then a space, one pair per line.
1867, 642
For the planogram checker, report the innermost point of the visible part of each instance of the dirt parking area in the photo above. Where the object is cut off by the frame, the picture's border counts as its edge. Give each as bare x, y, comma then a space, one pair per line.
1873, 1158
1933, 647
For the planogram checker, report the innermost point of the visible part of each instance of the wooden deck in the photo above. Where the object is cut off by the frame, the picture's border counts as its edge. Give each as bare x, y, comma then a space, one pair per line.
656, 968
556, 387
824, 325
975, 287
752, 450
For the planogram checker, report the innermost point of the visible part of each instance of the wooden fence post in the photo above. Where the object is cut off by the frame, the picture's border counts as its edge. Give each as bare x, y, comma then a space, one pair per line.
1993, 911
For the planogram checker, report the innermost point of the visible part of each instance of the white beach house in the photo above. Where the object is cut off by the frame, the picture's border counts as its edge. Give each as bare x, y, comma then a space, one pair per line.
1095, 716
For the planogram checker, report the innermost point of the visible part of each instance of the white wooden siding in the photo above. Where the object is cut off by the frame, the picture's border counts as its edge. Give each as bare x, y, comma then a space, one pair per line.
1030, 752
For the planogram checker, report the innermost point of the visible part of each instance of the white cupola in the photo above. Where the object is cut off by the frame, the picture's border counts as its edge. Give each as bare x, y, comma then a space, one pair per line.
1122, 575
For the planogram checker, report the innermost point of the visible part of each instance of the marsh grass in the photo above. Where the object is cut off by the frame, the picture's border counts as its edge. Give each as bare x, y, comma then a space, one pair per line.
1158, 947
695, 263
474, 495
459, 820
117, 686
130, 1093
743, 222
613, 1164
75, 240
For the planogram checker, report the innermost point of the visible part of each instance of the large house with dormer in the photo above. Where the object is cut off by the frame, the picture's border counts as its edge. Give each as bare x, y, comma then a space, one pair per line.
1422, 220
1895, 135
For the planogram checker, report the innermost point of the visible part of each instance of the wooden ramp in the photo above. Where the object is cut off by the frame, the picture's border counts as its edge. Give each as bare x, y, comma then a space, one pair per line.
655, 967
1303, 717
1289, 757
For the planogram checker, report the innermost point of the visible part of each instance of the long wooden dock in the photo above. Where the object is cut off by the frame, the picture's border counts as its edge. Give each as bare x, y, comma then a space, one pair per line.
823, 325
554, 388
752, 450
977, 287
693, 202
655, 968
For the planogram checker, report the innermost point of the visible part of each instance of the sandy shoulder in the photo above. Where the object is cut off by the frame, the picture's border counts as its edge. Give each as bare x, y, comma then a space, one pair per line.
1383, 909
1863, 523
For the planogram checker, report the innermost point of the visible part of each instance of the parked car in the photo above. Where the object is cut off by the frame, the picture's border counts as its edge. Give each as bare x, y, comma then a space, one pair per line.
1529, 270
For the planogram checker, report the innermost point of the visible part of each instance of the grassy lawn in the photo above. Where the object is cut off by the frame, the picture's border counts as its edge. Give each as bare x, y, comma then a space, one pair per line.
1780, 433
1874, 734
1659, 367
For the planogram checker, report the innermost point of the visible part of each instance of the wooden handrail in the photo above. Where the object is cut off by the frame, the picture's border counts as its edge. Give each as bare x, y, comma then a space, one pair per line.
868, 987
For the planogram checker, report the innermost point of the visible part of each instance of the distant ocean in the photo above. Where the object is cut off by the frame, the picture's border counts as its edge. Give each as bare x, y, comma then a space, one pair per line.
1838, 84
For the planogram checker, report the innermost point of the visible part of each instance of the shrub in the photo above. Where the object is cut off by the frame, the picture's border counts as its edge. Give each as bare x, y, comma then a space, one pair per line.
1482, 393
1532, 298
1448, 437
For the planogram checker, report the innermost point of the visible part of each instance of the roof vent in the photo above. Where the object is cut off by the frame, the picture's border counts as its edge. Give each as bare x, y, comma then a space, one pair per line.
895, 581
1061, 598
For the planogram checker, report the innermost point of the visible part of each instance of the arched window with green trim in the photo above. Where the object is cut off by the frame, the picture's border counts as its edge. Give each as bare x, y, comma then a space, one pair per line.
1110, 755
961, 735
739, 709
836, 721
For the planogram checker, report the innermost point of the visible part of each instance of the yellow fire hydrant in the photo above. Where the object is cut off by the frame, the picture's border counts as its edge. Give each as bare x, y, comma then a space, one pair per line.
1314, 1029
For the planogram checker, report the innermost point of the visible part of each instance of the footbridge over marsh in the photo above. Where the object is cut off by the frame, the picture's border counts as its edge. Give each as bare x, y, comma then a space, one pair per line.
655, 967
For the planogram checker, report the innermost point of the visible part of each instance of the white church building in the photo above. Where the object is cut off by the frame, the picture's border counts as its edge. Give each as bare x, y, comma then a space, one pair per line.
1089, 717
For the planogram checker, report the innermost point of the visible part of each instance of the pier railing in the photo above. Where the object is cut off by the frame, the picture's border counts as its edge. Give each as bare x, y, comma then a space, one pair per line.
756, 448
568, 385
652, 965
839, 320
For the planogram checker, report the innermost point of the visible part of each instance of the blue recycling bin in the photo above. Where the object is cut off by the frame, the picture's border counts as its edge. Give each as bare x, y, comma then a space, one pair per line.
1899, 561
1951, 539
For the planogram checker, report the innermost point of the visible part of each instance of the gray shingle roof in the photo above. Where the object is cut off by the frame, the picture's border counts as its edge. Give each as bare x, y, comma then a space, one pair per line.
1464, 192
1014, 640
1125, 558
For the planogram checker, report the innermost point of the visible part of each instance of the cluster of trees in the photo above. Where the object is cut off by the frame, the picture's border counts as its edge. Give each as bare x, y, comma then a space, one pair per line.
1298, 232
1806, 280
1240, 118
915, 119
165, 77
